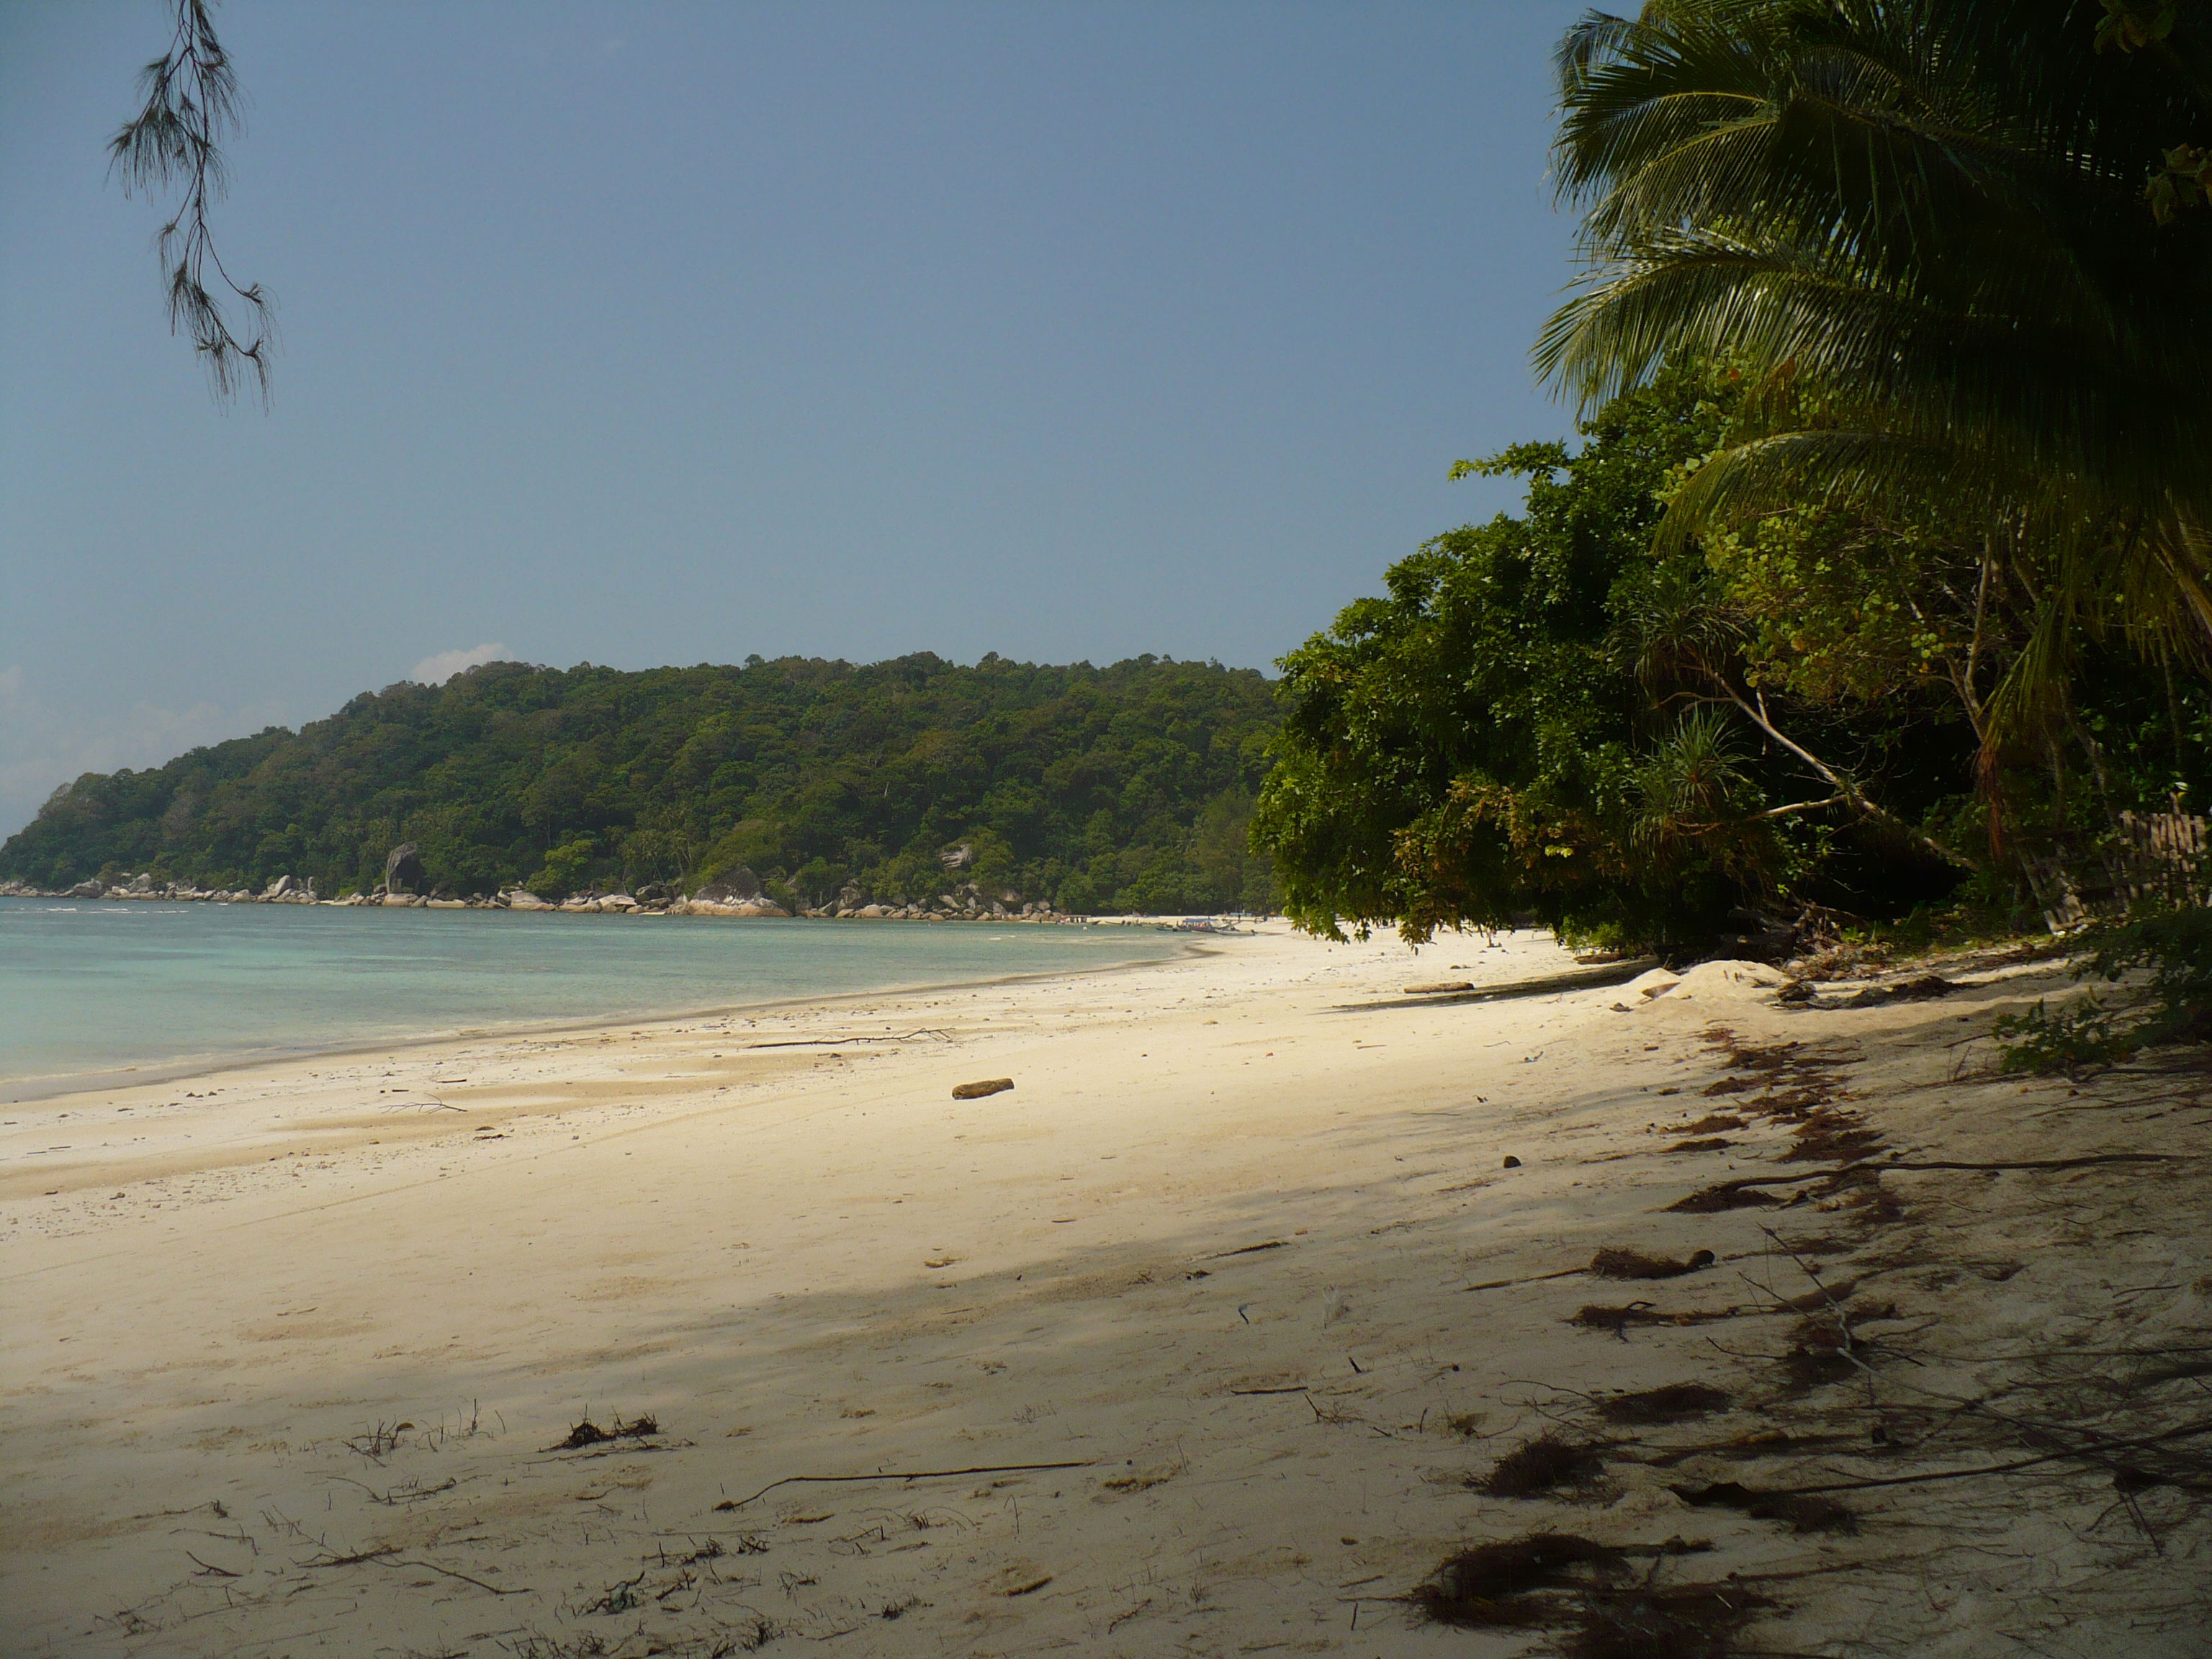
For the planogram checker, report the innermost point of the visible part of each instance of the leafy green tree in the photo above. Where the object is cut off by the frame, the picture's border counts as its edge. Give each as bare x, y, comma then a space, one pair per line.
565, 870
1233, 874
1556, 718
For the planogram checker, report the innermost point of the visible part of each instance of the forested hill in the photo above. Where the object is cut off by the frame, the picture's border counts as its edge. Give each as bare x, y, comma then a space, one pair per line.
1120, 789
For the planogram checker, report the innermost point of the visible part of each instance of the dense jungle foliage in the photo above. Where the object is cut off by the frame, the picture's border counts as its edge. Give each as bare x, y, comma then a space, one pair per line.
1879, 582
1127, 788
1559, 715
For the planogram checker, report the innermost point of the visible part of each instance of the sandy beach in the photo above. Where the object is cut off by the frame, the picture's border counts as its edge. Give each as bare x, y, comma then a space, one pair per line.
1204, 1338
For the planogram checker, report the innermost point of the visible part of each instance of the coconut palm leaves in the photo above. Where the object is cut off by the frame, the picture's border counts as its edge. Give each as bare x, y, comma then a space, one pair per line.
1920, 228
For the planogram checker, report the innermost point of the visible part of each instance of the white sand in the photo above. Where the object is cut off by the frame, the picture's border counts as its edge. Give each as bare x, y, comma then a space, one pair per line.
809, 1260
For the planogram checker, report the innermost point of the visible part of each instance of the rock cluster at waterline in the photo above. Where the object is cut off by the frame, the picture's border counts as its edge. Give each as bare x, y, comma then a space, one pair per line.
736, 894
285, 890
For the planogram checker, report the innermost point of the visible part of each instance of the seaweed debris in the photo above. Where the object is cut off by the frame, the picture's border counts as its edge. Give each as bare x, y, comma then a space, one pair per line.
1666, 1621
1729, 1195
1557, 1580
1804, 1511
1824, 1349
1825, 1132
588, 1433
1675, 1402
1512, 1584
1634, 1264
1596, 1316
1541, 1466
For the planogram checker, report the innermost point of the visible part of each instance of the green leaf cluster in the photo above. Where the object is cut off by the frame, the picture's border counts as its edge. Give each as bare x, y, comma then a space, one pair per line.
1123, 788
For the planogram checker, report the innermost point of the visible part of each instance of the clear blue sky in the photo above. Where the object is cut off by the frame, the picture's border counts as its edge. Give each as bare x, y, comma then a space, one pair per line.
666, 333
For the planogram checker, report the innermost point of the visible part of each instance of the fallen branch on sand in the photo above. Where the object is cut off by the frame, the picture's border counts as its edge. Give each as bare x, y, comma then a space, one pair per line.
2084, 1454
1879, 1165
837, 1042
463, 1577
398, 1495
2096, 1449
214, 1503
1596, 1316
911, 1474
1611, 1264
1739, 1194
354, 1561
2037, 1163
389, 1556
1533, 1279
1590, 979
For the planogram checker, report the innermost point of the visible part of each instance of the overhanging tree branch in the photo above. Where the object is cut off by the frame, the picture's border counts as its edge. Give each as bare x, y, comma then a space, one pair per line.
191, 101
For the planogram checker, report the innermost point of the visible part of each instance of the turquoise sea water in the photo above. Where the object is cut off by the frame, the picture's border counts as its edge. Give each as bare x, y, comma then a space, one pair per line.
90, 987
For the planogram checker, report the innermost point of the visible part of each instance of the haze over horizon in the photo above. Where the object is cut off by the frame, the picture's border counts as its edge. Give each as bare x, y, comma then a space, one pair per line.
672, 334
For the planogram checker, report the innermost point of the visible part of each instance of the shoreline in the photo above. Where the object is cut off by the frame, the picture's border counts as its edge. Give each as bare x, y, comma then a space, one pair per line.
1223, 1313
46, 1088
195, 1068
605, 904
594, 902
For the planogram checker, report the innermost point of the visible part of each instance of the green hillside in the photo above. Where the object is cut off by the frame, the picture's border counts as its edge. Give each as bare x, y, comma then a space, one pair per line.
1099, 789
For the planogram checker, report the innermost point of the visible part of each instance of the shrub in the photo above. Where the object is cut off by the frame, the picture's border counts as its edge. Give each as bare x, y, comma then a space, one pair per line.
2174, 944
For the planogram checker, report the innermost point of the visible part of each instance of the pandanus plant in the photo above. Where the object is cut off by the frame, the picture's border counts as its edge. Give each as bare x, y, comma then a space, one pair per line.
1960, 252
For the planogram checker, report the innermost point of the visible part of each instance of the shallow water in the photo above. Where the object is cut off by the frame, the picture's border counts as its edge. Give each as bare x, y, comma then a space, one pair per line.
89, 988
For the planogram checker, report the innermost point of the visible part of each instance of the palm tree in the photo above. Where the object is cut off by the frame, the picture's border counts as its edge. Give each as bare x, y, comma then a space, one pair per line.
1922, 230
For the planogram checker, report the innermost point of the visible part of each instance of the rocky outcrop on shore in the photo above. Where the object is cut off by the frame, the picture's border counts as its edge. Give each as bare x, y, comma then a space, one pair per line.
965, 902
697, 906
285, 890
738, 894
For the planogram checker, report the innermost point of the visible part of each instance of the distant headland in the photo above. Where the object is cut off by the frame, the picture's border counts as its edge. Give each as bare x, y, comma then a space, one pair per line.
915, 788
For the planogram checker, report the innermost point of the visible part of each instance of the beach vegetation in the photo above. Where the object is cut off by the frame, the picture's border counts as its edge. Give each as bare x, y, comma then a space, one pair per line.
2168, 950
1558, 718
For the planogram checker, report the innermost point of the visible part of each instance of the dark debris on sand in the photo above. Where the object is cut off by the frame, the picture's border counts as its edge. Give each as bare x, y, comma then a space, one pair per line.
1634, 1264
1557, 1580
588, 1433
1505, 1585
1543, 1465
1804, 1511
1676, 1402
